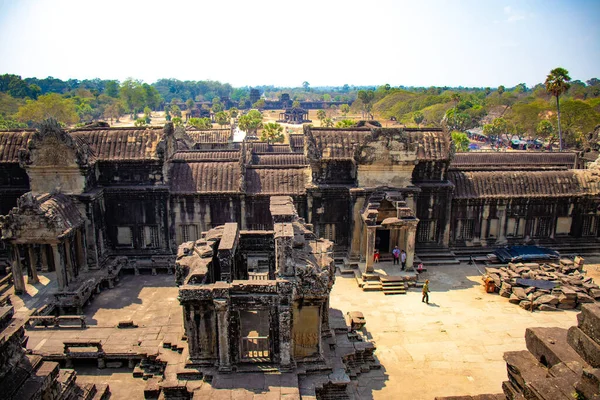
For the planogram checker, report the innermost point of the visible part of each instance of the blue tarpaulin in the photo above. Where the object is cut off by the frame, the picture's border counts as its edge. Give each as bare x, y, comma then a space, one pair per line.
525, 253
540, 284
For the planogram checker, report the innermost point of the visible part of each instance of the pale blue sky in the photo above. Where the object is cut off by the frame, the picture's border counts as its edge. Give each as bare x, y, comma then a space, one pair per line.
418, 43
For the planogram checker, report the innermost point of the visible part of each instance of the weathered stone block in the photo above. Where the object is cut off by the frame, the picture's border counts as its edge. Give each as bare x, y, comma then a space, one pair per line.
584, 346
522, 366
550, 389
550, 346
589, 321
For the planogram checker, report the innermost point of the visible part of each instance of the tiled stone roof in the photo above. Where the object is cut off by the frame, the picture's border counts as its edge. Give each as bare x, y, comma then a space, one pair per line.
505, 184
289, 181
263, 147
210, 135
205, 177
276, 159
513, 159
11, 142
121, 144
213, 155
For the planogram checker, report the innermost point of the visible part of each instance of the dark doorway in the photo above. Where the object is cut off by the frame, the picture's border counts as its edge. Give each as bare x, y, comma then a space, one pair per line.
382, 240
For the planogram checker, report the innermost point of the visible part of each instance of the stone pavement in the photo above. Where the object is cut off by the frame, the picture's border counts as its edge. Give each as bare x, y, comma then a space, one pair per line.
453, 346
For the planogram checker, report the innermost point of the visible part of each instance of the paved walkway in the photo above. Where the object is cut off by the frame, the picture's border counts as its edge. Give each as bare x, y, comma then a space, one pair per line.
453, 346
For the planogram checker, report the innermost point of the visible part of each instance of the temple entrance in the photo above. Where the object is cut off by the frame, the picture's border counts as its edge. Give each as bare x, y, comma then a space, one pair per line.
255, 343
382, 240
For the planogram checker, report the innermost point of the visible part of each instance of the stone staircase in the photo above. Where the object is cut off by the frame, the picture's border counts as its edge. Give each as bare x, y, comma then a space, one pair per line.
392, 285
437, 256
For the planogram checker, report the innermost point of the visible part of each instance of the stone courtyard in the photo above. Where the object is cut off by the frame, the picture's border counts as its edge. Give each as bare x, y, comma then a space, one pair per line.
453, 346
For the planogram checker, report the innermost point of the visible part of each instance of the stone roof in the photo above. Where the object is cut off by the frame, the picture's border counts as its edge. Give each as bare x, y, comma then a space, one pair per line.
515, 184
512, 159
329, 143
210, 135
276, 181
204, 155
297, 142
278, 159
263, 147
205, 177
11, 142
121, 144
41, 218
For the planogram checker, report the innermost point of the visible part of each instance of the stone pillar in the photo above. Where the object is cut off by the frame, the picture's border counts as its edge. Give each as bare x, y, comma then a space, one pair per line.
17, 271
410, 246
447, 225
356, 250
32, 264
309, 207
222, 308
370, 240
60, 268
70, 270
81, 250
284, 262
44, 255
243, 213
501, 211
285, 337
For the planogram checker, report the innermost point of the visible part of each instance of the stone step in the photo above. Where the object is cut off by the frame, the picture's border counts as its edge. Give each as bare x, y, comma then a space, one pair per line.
102, 392
550, 347
445, 261
394, 291
371, 288
370, 277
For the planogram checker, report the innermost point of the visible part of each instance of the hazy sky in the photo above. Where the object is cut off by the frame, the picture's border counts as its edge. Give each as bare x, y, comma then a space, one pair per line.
283, 43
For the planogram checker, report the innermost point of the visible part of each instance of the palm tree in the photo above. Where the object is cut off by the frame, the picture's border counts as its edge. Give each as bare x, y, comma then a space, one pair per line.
272, 133
556, 84
455, 98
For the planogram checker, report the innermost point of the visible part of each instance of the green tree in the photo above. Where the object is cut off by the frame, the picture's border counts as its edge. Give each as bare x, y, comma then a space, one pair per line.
366, 98
190, 105
175, 111
327, 123
306, 86
51, 105
418, 117
113, 111
556, 84
140, 122
461, 141
251, 122
321, 115
501, 90
222, 118
296, 104
111, 89
579, 120
9, 123
496, 129
326, 97
233, 112
545, 129
199, 123
272, 132
217, 106
147, 114
133, 95
259, 104
177, 121
345, 123
345, 109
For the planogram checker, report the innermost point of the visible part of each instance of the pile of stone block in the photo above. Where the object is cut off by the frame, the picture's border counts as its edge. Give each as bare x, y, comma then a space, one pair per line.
545, 287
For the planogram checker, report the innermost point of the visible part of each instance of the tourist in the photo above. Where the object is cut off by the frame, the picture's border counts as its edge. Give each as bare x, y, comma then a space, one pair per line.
396, 254
425, 298
376, 256
403, 259
420, 268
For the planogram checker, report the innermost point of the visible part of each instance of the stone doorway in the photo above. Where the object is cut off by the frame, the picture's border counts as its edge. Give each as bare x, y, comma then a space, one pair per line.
382, 241
255, 343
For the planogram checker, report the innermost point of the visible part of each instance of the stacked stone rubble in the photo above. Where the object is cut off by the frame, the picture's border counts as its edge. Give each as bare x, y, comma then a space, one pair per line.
571, 287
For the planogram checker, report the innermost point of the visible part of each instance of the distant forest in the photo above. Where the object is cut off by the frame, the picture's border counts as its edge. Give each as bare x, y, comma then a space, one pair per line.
520, 110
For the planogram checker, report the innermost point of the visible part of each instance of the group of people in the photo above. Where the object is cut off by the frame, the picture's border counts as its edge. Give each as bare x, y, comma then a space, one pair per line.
399, 257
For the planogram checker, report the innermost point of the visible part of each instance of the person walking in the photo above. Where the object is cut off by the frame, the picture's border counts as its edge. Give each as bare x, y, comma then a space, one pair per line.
425, 298
403, 259
396, 254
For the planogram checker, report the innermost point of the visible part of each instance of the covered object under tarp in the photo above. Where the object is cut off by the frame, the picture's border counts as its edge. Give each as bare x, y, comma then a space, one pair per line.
525, 253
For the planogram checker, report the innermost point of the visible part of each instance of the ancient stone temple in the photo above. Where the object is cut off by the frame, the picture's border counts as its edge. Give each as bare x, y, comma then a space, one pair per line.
256, 296
294, 115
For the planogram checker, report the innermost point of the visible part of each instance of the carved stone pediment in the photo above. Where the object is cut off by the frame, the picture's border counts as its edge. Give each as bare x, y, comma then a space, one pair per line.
51, 146
386, 147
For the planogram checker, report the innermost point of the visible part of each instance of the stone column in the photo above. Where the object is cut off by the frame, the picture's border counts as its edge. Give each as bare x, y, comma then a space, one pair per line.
44, 255
501, 210
81, 250
243, 213
32, 264
285, 337
447, 225
370, 240
410, 246
222, 308
70, 269
60, 268
356, 226
309, 207
17, 271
